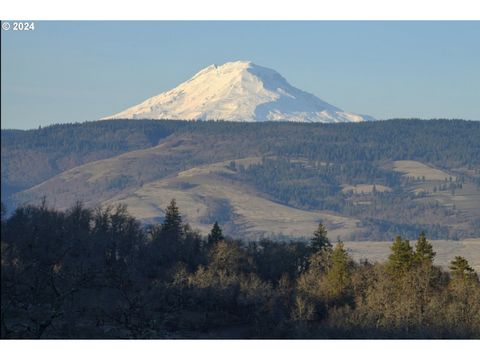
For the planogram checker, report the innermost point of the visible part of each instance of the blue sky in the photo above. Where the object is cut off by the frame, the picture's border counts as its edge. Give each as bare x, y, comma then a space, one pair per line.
81, 71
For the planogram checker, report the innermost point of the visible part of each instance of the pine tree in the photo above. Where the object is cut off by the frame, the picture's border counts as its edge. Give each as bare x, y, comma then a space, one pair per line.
172, 224
424, 250
215, 235
320, 240
460, 268
401, 257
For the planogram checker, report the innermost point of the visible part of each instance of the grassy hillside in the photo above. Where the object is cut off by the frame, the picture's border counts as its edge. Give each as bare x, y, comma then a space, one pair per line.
207, 195
366, 181
32, 156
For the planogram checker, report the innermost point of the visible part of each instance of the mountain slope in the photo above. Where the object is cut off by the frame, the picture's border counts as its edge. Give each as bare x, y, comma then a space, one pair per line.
206, 194
29, 157
263, 178
238, 91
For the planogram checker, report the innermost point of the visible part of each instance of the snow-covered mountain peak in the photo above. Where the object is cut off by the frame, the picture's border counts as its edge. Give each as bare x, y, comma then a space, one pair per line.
237, 91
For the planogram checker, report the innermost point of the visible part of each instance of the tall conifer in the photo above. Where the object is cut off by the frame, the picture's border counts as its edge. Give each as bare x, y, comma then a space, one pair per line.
215, 235
320, 240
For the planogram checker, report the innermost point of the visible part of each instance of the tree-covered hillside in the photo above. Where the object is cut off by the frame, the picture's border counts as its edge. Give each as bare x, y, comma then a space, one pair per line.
393, 177
445, 143
32, 156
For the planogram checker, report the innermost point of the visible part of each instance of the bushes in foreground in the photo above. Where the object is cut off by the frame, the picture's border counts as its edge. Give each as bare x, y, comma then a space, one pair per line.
98, 273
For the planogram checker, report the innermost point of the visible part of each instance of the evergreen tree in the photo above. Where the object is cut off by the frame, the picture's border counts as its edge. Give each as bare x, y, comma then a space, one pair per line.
339, 274
215, 235
172, 225
401, 257
424, 250
460, 268
320, 240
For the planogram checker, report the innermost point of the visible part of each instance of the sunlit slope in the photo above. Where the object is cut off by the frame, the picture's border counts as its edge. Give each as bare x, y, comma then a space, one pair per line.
98, 181
280, 178
206, 195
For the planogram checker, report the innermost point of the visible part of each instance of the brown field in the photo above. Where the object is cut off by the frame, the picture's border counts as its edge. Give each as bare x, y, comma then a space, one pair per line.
365, 188
199, 189
417, 169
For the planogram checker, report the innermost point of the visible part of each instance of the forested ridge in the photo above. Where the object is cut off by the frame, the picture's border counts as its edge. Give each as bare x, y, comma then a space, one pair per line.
445, 143
32, 156
442, 142
310, 167
98, 273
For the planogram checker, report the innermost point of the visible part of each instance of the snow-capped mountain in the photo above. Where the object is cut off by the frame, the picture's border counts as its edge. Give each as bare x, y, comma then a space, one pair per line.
238, 91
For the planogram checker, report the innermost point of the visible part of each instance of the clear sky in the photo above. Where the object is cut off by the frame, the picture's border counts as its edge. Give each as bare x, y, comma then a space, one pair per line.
79, 71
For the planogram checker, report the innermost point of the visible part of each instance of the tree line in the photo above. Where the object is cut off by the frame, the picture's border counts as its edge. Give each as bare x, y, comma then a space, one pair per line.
98, 273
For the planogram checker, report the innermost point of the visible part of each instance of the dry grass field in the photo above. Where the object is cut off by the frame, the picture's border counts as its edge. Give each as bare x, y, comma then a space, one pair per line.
202, 191
419, 170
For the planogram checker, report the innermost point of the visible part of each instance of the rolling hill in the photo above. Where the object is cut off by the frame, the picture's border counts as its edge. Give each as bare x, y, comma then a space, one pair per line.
367, 181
